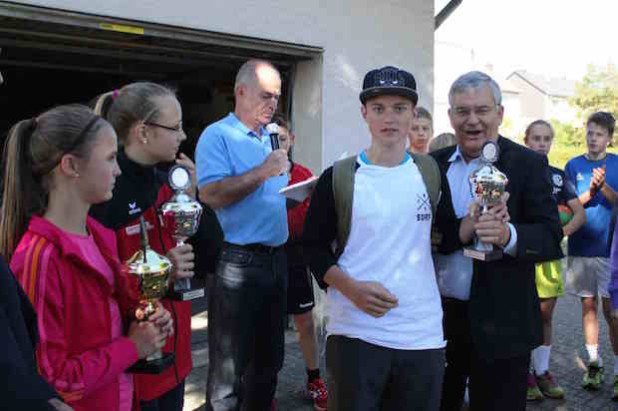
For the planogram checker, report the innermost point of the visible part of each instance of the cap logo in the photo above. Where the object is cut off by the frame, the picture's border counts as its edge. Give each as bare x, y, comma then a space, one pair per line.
390, 77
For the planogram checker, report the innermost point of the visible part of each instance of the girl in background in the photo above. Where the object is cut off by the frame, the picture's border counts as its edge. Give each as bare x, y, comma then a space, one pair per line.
539, 136
148, 121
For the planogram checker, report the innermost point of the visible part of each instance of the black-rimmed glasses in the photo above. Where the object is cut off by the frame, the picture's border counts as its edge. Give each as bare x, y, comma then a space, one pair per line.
177, 128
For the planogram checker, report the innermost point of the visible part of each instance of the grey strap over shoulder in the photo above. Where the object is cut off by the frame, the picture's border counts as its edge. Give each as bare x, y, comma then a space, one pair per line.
431, 176
343, 191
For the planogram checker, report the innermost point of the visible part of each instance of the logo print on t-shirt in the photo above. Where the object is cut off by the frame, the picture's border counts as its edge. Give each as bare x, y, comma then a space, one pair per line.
579, 177
423, 207
557, 178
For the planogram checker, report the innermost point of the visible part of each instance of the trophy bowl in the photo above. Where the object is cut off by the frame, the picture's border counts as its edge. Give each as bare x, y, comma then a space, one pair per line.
181, 215
152, 277
488, 185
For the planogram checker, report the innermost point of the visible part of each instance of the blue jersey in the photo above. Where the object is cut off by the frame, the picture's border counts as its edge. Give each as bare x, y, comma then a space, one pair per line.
591, 240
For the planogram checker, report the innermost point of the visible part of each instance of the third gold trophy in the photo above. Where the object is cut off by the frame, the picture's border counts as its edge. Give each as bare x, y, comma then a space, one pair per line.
151, 272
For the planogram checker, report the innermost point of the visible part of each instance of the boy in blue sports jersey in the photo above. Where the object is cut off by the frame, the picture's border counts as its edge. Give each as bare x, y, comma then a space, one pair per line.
595, 176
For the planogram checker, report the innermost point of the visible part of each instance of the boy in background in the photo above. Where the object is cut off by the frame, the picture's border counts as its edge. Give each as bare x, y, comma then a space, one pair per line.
595, 176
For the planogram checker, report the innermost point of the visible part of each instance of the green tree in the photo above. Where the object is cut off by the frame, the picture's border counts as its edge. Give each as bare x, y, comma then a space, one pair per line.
569, 141
598, 91
568, 135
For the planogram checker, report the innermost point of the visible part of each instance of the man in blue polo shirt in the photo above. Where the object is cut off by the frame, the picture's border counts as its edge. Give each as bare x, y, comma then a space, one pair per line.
240, 176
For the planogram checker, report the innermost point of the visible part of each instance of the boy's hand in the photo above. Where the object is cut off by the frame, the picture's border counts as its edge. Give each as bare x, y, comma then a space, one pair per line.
598, 178
597, 181
372, 298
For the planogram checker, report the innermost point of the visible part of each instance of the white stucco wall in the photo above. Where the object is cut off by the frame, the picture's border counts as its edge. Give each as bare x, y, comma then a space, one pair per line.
451, 60
356, 35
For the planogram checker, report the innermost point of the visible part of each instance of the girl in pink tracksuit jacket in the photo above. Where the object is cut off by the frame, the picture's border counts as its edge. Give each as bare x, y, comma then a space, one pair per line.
57, 166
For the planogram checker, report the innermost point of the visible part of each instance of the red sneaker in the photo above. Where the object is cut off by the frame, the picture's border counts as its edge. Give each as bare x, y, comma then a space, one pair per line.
318, 393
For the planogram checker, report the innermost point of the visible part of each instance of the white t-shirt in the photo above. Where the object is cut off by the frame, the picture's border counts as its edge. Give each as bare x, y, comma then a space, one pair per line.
390, 242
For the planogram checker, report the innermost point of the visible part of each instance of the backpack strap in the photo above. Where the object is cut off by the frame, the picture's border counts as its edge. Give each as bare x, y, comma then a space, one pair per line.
431, 177
343, 192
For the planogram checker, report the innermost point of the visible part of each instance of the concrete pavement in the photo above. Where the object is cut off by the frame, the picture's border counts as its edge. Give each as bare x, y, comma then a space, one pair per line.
567, 364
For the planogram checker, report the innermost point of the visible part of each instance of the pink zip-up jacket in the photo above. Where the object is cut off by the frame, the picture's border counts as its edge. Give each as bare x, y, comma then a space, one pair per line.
75, 353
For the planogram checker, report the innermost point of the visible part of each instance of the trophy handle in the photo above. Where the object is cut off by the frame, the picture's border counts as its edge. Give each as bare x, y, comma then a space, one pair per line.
182, 286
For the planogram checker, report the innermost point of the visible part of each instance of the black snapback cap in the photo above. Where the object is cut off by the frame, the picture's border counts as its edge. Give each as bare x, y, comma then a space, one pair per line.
389, 80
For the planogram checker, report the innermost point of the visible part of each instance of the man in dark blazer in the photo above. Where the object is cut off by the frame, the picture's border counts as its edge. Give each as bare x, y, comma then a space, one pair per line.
21, 387
491, 309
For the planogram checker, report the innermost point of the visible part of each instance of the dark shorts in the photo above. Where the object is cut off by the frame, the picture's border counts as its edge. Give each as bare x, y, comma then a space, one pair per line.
300, 290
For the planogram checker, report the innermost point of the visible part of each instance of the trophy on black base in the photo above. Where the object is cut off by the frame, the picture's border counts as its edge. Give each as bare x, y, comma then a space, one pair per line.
488, 185
182, 215
152, 272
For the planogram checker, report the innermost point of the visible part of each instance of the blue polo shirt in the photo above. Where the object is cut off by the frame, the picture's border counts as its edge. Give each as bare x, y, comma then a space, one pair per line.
228, 148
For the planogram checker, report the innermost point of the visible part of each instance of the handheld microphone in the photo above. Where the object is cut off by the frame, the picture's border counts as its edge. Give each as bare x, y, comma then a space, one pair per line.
273, 130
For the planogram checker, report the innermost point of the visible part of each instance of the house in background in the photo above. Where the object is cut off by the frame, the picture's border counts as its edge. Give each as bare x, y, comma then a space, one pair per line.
512, 103
446, 73
543, 97
525, 96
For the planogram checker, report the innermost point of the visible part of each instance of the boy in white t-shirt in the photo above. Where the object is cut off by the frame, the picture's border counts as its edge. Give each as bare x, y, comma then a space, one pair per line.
385, 347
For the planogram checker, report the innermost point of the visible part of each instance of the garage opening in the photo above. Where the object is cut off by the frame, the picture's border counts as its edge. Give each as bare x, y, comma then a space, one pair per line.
51, 57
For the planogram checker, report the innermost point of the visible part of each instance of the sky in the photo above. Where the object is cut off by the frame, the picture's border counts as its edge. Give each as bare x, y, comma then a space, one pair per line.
558, 38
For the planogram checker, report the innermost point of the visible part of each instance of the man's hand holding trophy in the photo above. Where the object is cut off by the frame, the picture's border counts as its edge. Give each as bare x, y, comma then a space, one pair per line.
489, 211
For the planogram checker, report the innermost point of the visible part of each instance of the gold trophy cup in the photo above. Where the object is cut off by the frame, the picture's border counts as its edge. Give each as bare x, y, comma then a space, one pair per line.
152, 272
182, 215
488, 184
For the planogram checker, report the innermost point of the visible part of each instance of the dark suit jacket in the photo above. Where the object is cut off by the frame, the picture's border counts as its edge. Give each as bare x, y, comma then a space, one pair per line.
504, 310
21, 388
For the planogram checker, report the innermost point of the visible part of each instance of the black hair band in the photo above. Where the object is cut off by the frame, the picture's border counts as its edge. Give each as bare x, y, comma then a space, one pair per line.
83, 134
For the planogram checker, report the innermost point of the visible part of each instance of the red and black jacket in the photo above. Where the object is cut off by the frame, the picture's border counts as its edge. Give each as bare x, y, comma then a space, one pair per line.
141, 191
